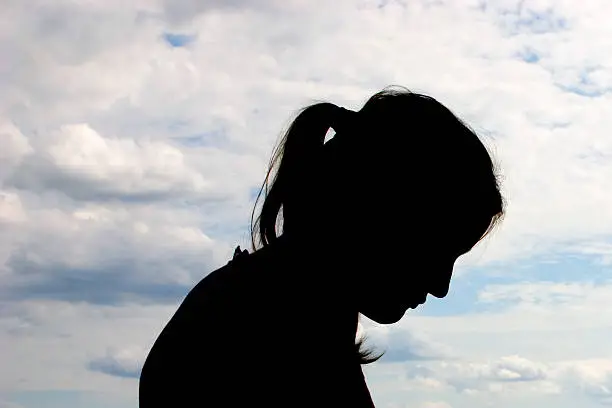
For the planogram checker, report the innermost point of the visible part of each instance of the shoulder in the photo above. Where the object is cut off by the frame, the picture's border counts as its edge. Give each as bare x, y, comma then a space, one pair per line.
218, 284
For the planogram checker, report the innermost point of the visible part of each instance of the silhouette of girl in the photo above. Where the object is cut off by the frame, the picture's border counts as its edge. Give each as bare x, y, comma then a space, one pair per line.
373, 221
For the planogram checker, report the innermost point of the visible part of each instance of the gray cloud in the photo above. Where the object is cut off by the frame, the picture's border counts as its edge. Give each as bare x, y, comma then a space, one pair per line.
90, 84
600, 392
478, 376
588, 378
125, 363
8, 404
79, 162
419, 371
514, 368
105, 284
104, 256
401, 345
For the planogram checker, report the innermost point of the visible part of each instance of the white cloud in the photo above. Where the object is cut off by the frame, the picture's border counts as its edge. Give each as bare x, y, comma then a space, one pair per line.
126, 362
14, 147
549, 339
601, 250
474, 377
69, 337
510, 368
121, 156
402, 345
77, 161
104, 254
438, 404
11, 209
534, 293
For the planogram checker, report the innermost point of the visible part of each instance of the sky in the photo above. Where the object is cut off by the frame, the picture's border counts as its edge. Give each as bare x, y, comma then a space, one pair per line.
134, 133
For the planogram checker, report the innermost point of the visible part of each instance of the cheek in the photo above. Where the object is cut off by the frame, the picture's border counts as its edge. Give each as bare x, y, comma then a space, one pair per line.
394, 270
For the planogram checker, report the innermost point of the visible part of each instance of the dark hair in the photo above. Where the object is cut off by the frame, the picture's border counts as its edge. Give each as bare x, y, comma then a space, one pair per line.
463, 165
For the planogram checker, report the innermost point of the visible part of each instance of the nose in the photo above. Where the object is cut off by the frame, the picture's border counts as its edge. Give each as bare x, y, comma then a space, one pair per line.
439, 288
439, 284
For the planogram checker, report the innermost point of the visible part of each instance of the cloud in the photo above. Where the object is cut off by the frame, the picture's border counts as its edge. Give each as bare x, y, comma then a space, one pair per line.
592, 378
513, 368
437, 404
402, 345
15, 147
127, 164
126, 363
601, 251
8, 404
532, 293
96, 254
79, 162
600, 391
183, 12
11, 208
89, 343
466, 377
480, 376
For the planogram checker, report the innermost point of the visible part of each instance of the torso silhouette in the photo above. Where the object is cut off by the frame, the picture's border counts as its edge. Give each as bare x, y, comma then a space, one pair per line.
253, 333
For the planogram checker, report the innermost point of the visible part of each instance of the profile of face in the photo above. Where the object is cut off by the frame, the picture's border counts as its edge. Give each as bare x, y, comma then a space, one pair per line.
400, 271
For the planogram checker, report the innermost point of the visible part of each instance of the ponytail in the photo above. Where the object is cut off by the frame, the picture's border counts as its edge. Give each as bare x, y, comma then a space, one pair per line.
299, 154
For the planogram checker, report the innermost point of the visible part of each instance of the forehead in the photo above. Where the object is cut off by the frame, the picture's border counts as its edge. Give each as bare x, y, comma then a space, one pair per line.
437, 219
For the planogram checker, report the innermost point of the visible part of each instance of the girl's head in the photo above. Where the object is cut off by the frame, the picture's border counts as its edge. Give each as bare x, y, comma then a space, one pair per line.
402, 189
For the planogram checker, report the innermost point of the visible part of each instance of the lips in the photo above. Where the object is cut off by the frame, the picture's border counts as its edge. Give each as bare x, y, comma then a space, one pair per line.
413, 300
422, 300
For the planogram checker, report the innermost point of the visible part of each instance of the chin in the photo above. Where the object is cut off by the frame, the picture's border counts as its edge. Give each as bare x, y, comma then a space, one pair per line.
385, 316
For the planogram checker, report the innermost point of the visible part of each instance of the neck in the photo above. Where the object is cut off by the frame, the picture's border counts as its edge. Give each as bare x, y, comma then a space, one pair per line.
319, 290
316, 300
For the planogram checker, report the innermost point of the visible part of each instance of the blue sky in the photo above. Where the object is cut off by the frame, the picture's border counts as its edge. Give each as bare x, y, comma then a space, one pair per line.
178, 40
135, 137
